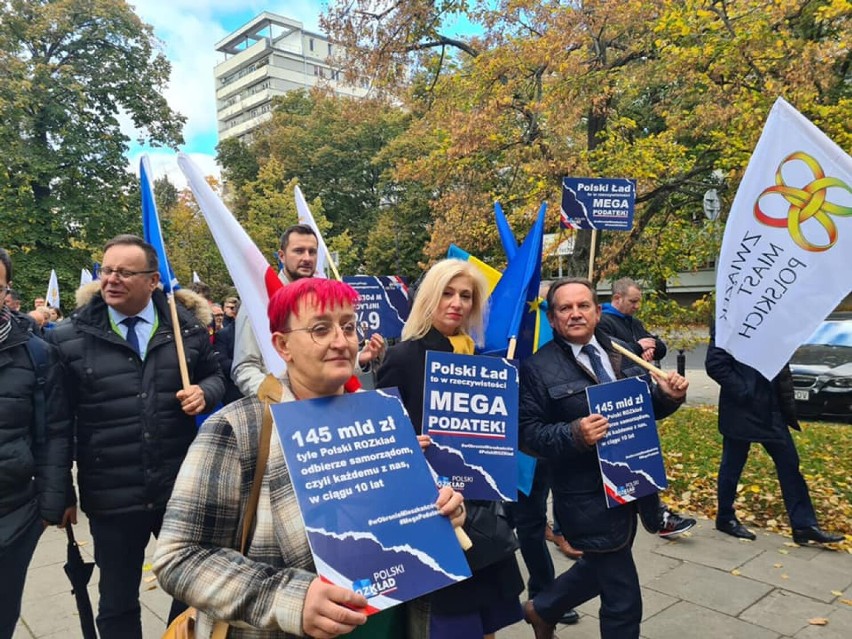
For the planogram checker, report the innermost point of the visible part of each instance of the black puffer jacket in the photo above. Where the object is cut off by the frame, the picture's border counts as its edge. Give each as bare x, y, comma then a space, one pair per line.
751, 407
552, 403
131, 432
31, 469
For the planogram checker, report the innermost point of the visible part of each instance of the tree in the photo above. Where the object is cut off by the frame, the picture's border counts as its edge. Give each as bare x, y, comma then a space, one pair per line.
331, 146
668, 92
69, 69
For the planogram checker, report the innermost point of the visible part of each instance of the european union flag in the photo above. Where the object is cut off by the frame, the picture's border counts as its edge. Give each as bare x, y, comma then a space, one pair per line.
151, 230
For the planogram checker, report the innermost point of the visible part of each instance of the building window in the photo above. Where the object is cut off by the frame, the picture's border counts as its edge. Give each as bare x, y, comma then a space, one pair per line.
329, 48
311, 44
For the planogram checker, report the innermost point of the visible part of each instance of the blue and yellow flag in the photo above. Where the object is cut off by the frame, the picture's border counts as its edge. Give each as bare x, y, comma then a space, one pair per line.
514, 305
492, 275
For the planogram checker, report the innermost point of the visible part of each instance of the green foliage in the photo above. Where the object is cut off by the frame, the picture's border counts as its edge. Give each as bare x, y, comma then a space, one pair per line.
68, 69
332, 147
692, 447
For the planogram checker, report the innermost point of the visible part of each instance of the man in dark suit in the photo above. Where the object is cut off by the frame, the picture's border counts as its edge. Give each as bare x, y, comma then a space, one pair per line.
556, 424
755, 409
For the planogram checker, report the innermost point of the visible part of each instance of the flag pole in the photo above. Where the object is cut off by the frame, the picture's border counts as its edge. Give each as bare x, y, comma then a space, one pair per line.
646, 365
181, 353
592, 253
331, 263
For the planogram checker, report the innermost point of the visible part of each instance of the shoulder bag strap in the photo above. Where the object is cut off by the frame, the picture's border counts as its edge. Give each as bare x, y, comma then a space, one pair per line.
220, 629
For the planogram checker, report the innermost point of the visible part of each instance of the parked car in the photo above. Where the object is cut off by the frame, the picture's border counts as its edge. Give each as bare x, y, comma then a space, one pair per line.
822, 370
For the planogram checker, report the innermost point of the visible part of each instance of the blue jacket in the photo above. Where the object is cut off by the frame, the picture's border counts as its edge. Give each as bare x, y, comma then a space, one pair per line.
552, 403
628, 329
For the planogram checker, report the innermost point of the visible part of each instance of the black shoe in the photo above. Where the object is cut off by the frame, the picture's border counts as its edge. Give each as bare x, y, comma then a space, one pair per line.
813, 533
570, 618
735, 529
541, 628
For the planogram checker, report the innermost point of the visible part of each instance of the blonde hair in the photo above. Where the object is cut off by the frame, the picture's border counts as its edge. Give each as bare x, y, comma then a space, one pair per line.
429, 295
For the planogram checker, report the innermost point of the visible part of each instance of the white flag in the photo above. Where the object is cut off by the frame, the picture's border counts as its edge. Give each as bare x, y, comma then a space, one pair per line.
305, 217
52, 296
787, 249
248, 268
85, 277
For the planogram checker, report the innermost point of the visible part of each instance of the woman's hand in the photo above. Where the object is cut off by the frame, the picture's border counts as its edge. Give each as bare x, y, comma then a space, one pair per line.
425, 441
328, 613
451, 504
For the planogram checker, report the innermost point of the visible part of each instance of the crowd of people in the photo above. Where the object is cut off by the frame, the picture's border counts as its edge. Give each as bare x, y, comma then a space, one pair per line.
102, 389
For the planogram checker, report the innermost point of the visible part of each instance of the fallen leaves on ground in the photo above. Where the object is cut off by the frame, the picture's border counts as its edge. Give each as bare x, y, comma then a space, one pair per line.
692, 447
818, 621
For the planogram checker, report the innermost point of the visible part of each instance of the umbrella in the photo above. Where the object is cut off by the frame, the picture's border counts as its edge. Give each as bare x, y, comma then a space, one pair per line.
79, 572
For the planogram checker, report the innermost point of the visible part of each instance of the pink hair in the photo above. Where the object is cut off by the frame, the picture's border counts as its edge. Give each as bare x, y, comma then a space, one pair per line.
323, 293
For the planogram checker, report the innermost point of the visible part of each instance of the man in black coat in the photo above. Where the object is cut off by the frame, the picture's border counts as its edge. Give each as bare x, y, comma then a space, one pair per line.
617, 320
556, 424
755, 409
134, 419
35, 449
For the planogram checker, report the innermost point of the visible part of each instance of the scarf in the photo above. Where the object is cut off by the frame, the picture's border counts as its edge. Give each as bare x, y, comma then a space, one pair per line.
462, 344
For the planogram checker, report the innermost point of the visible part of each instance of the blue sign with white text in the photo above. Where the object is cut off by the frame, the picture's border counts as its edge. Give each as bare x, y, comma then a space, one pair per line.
630, 457
605, 204
470, 410
367, 497
384, 304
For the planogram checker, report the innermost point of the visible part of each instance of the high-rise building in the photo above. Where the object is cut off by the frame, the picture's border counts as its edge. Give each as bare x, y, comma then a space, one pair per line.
268, 57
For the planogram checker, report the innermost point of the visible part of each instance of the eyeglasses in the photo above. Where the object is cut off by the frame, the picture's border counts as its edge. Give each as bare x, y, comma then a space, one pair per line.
122, 273
323, 333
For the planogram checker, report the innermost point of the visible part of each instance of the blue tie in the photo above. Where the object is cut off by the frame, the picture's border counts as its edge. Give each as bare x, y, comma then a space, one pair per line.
597, 364
132, 338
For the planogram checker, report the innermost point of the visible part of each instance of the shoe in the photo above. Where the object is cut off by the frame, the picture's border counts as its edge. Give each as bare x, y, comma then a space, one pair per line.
673, 524
541, 628
567, 549
549, 535
813, 533
570, 618
734, 528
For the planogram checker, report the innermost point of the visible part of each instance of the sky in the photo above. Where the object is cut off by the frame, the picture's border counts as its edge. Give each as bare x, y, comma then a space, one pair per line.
188, 31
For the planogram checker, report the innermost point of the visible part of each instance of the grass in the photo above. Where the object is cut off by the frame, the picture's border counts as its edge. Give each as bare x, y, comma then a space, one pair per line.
692, 447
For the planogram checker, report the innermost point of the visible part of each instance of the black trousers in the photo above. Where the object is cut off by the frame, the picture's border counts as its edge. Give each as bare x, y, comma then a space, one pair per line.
120, 542
797, 499
530, 518
613, 576
15, 557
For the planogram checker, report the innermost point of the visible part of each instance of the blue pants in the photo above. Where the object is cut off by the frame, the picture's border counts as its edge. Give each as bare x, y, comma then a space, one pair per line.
793, 487
612, 575
530, 518
15, 557
120, 542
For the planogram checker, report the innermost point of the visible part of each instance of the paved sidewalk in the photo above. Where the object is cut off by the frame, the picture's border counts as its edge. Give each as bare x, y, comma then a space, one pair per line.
706, 585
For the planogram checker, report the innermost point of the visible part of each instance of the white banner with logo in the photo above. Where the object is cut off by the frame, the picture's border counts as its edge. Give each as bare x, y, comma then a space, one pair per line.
787, 250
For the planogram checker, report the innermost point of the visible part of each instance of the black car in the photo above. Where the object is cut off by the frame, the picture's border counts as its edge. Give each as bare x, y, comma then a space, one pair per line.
822, 370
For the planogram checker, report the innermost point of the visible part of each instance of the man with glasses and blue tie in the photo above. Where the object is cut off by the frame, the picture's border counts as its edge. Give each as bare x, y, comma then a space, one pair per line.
134, 420
556, 426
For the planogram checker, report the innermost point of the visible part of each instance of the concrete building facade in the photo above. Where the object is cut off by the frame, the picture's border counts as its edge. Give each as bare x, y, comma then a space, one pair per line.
267, 57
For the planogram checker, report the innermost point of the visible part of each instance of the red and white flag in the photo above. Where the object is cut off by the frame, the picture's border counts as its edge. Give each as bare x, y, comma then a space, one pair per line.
250, 272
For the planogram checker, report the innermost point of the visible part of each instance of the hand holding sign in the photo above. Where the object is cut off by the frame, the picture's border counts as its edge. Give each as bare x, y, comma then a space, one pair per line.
328, 610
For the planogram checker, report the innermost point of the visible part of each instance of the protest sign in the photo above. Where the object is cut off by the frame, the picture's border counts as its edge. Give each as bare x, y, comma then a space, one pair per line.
630, 457
367, 497
384, 304
605, 204
470, 410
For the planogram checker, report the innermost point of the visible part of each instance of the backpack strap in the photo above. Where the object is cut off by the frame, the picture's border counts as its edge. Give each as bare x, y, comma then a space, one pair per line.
37, 350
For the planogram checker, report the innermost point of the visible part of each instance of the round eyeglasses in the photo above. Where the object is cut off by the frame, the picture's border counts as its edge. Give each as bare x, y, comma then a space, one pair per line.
323, 333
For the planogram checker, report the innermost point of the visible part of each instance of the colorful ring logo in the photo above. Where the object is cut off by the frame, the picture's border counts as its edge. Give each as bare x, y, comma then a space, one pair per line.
809, 201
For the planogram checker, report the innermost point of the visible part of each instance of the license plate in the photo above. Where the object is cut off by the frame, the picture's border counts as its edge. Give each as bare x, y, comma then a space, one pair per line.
802, 395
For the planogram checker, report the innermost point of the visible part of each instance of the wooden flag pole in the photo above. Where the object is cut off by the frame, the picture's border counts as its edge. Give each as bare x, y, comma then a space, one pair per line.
634, 357
181, 353
592, 254
331, 264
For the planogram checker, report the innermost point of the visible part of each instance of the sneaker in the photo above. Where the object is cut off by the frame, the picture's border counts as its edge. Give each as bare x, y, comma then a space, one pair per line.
673, 524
